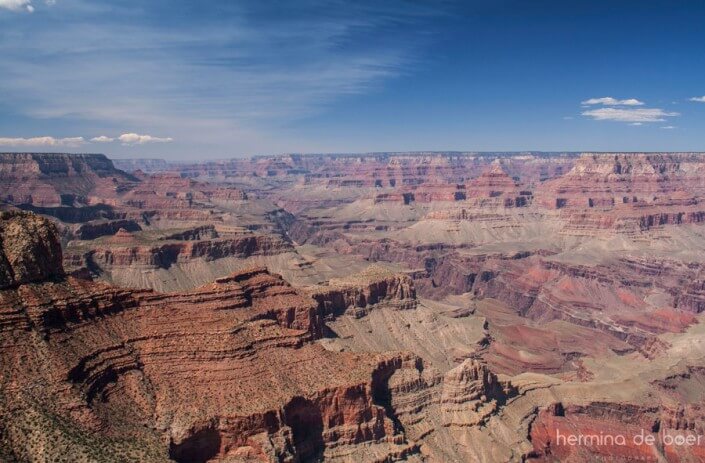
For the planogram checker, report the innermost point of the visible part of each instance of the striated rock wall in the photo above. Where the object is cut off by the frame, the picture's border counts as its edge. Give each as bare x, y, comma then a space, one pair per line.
52, 179
471, 393
126, 252
437, 410
606, 180
225, 372
426, 193
357, 294
193, 234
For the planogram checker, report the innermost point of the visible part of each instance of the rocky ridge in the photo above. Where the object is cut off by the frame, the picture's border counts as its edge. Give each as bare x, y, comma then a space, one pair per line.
113, 374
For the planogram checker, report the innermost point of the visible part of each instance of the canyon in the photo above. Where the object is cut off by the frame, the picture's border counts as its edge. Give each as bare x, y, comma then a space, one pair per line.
435, 306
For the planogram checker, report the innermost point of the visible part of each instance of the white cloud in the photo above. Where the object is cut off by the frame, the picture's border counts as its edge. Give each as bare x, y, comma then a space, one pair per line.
636, 123
137, 139
42, 141
699, 99
22, 5
125, 139
17, 5
609, 101
668, 127
629, 114
102, 139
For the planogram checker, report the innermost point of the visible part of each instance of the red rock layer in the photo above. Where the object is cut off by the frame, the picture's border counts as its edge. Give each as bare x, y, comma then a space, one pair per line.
425, 193
355, 295
395, 170
54, 179
125, 251
607, 180
224, 371
172, 190
609, 303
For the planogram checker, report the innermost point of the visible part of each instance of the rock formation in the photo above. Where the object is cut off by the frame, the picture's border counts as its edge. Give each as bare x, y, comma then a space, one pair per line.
357, 294
29, 249
104, 373
58, 179
431, 307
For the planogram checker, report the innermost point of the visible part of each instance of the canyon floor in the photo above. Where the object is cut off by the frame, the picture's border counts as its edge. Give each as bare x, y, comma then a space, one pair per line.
463, 307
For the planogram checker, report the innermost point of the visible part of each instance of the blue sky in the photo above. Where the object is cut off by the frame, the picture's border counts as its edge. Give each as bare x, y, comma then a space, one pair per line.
195, 80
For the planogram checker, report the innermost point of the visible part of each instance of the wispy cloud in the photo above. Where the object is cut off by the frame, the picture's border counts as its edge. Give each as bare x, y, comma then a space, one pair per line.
609, 101
137, 139
633, 115
22, 5
42, 141
102, 139
240, 76
699, 99
668, 127
17, 5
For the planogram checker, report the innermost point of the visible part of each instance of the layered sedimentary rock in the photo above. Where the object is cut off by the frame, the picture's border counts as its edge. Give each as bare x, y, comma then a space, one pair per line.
91, 202
125, 251
426, 193
58, 179
471, 393
172, 190
141, 165
382, 170
357, 294
102, 373
625, 301
627, 193
599, 180
453, 307
174, 260
495, 182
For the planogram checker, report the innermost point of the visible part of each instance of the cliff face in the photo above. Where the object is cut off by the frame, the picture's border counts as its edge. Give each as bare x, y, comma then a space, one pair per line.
444, 410
607, 180
471, 393
29, 249
429, 176
122, 251
425, 193
56, 179
56, 164
357, 294
227, 371
172, 190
